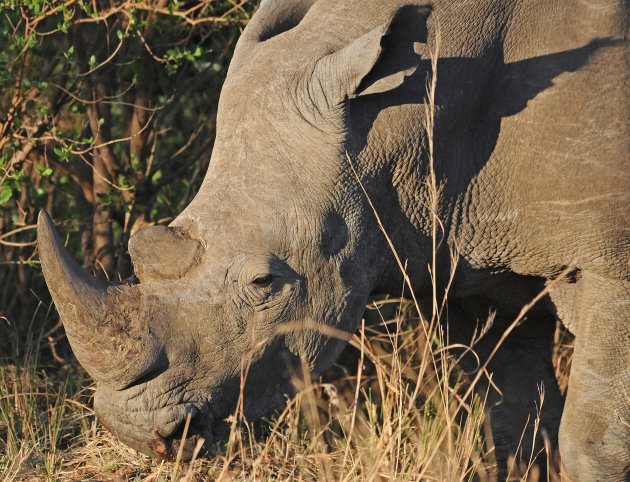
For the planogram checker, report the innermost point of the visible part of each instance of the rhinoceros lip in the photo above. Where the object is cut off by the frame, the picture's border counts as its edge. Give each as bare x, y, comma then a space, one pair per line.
168, 448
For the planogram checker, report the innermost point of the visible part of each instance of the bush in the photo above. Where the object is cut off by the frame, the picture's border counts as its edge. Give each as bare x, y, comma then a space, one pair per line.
108, 113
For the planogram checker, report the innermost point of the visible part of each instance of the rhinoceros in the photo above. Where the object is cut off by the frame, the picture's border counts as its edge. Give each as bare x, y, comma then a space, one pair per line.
322, 116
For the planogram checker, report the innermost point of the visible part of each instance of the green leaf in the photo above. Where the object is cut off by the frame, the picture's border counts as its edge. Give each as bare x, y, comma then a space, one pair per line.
63, 152
69, 53
105, 200
135, 162
92, 61
5, 194
44, 171
157, 176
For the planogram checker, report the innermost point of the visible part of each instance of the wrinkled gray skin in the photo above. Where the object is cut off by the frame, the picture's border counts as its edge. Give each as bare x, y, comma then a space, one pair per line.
532, 150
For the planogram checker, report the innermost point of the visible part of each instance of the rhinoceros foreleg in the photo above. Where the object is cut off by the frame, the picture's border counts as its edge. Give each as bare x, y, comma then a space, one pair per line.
595, 429
520, 371
524, 406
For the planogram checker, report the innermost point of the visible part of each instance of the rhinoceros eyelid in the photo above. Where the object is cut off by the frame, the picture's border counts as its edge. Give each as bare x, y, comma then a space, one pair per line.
262, 280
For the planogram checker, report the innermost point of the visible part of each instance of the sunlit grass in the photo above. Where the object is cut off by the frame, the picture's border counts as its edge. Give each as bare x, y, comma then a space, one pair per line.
389, 409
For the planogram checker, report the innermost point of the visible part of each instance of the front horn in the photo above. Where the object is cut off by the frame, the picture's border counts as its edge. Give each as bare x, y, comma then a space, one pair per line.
106, 323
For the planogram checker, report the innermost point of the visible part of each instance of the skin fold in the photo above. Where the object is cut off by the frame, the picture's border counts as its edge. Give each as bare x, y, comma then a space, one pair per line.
532, 165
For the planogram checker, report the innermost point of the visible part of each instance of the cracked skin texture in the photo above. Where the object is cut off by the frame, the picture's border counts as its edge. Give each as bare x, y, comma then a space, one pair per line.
532, 159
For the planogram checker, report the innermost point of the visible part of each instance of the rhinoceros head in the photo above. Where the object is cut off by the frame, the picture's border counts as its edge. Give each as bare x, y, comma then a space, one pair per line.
279, 242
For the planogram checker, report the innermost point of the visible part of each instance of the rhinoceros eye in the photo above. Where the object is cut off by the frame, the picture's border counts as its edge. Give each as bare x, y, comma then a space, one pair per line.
262, 281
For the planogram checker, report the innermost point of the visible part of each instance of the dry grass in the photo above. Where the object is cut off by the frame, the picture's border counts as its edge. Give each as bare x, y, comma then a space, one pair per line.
391, 408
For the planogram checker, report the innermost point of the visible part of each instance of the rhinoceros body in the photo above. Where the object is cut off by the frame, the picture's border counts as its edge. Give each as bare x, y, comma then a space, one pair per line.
532, 142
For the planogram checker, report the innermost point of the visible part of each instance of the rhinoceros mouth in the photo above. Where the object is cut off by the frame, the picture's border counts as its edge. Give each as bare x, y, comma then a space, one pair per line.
188, 442
185, 443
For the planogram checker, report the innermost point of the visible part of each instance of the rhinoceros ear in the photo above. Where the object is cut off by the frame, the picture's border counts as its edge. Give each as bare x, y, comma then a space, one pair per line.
376, 62
276, 16
272, 18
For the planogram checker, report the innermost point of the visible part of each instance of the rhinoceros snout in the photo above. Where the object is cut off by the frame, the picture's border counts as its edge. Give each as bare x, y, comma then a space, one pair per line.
159, 432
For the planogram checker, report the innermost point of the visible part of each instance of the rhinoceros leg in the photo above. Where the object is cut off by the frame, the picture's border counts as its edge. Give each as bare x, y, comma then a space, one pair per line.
524, 406
519, 370
595, 429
